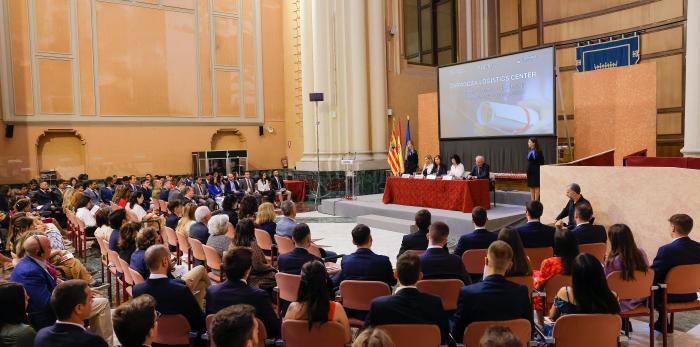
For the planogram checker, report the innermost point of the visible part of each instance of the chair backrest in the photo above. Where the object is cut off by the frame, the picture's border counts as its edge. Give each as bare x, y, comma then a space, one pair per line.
358, 295
551, 288
314, 250
197, 249
172, 329
474, 260
520, 328
213, 257
182, 242
524, 280
264, 240
296, 333
412, 335
127, 272
584, 330
638, 288
288, 286
447, 290
262, 331
284, 244
171, 235
103, 246
683, 279
114, 260
136, 276
538, 255
595, 249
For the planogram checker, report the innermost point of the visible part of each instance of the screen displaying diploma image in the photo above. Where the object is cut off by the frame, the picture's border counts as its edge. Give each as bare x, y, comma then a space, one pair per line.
511, 95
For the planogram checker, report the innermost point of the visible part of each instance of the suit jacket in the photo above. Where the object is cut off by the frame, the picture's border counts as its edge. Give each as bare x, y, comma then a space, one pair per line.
277, 183
247, 184
171, 221
408, 306
164, 194
440, 170
173, 297
365, 265
39, 285
174, 194
590, 233
569, 209
44, 198
292, 262
68, 335
536, 234
285, 226
199, 231
200, 191
477, 239
93, 195
481, 173
417, 241
106, 194
438, 263
681, 251
220, 296
232, 187
138, 263
495, 298
58, 197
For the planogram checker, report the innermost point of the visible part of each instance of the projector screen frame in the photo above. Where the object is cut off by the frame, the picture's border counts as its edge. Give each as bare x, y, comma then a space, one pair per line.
554, 96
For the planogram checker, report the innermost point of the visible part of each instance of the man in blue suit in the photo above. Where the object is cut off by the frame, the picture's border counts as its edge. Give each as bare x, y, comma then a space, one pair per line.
437, 262
418, 240
286, 224
235, 290
38, 279
585, 231
92, 193
495, 298
231, 186
480, 170
533, 233
292, 262
199, 229
172, 296
681, 251
72, 301
480, 238
408, 305
364, 265
107, 192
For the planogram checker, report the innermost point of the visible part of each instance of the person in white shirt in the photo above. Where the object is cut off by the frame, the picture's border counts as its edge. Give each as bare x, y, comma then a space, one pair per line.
86, 213
428, 167
263, 187
134, 205
457, 168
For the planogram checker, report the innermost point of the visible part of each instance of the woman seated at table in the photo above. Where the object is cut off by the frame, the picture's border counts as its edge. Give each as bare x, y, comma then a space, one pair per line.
457, 168
439, 169
428, 167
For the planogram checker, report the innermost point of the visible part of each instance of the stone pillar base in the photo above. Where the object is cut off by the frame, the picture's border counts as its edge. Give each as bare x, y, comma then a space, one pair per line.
690, 152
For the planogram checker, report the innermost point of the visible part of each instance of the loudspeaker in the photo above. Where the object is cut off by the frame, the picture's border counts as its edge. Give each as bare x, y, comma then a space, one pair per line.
9, 130
313, 97
261, 130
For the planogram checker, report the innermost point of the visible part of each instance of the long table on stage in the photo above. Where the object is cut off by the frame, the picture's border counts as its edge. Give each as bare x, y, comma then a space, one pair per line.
457, 195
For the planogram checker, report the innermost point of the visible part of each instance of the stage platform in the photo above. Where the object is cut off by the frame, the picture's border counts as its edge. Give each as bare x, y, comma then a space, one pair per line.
370, 210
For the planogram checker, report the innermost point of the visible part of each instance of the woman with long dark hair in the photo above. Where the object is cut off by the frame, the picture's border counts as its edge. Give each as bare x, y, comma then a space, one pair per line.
626, 257
314, 303
589, 292
127, 240
535, 159
14, 330
134, 205
247, 208
521, 266
262, 274
439, 168
565, 251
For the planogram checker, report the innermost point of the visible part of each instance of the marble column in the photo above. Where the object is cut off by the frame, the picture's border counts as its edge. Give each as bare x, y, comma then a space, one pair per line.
691, 136
357, 83
307, 73
321, 57
377, 77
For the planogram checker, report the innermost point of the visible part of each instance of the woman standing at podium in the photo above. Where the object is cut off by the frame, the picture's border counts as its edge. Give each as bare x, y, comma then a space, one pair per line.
535, 159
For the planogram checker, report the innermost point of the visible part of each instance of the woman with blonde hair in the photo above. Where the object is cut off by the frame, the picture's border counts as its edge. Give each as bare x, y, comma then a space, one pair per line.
265, 218
373, 337
187, 219
77, 195
120, 196
67, 198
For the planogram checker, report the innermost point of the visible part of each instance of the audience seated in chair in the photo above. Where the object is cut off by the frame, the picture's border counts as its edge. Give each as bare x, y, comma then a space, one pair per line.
534, 234
498, 336
238, 263
145, 238
13, 317
263, 274
480, 238
495, 298
127, 240
573, 192
265, 219
624, 256
585, 231
437, 262
293, 261
364, 265
408, 305
521, 265
117, 219
235, 326
286, 224
372, 337
565, 250
279, 187
175, 208
135, 321
199, 230
417, 240
221, 233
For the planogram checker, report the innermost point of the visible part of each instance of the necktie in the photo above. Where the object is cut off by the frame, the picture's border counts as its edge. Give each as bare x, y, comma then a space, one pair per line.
478, 171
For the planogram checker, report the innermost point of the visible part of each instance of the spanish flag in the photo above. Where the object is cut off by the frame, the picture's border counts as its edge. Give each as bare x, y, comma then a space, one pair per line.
395, 156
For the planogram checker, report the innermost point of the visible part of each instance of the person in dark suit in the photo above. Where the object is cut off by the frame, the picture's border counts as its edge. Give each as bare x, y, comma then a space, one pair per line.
439, 168
585, 231
417, 240
72, 302
408, 305
292, 262
480, 170
437, 262
107, 193
133, 184
495, 298
92, 193
39, 280
364, 265
535, 159
411, 163
165, 190
278, 186
480, 238
681, 251
573, 192
175, 208
199, 230
44, 197
172, 296
233, 187
533, 233
147, 193
247, 183
135, 321
235, 290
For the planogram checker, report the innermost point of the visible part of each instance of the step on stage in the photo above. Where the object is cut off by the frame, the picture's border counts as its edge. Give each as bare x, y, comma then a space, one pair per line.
370, 210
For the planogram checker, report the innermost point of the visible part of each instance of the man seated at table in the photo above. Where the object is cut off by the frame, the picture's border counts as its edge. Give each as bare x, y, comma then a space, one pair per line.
480, 170
573, 192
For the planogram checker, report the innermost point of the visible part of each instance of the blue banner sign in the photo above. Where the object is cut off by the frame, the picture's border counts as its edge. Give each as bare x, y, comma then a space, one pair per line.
603, 55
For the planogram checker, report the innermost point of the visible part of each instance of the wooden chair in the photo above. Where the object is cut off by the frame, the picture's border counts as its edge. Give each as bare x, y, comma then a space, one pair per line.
538, 255
527, 281
171, 237
357, 295
595, 249
172, 329
474, 261
287, 288
214, 263
116, 270
265, 242
313, 249
641, 287
104, 263
136, 276
520, 328
197, 250
413, 335
284, 244
585, 330
183, 244
128, 280
447, 290
296, 333
83, 239
551, 288
681, 279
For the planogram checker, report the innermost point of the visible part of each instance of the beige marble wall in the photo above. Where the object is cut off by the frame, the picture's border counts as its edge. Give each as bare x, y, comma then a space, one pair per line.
641, 197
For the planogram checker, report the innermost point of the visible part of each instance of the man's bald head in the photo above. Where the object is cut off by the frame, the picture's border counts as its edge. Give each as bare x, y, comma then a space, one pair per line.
154, 257
37, 246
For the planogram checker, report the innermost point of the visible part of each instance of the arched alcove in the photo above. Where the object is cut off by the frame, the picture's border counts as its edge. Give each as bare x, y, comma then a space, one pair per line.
225, 139
63, 151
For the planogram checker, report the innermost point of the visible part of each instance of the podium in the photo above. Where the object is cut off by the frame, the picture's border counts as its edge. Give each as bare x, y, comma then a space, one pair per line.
349, 179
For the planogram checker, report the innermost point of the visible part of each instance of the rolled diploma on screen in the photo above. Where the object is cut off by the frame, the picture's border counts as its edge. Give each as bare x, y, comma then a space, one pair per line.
511, 119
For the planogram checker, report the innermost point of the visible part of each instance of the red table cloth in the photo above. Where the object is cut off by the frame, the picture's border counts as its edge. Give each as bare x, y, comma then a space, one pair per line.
298, 189
457, 195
